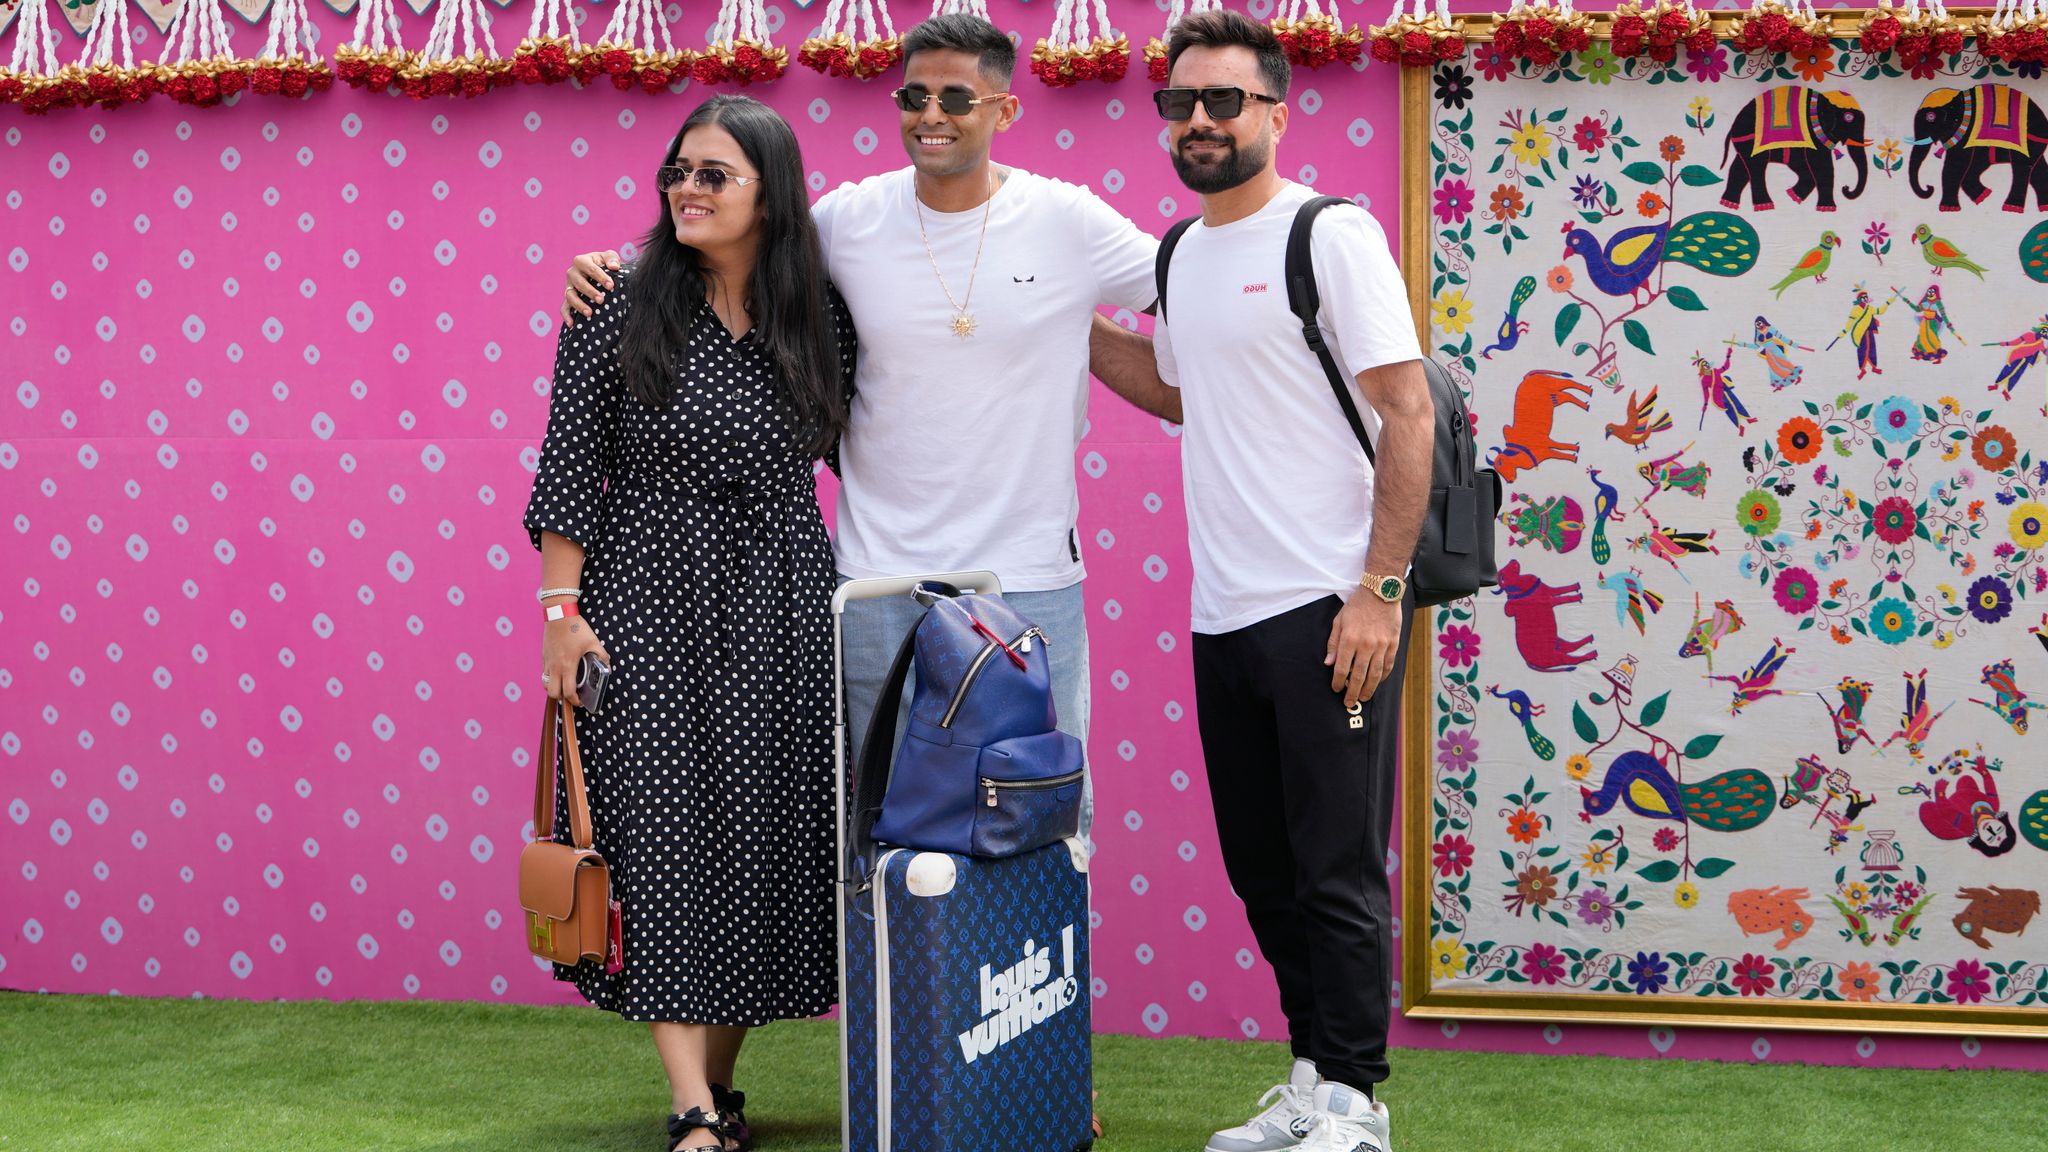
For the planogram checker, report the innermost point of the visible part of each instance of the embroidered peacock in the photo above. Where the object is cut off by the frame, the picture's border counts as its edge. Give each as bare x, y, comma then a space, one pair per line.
1717, 243
1512, 326
1525, 712
1734, 801
1605, 501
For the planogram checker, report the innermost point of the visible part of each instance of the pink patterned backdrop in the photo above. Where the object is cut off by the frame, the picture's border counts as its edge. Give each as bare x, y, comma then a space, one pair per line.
278, 373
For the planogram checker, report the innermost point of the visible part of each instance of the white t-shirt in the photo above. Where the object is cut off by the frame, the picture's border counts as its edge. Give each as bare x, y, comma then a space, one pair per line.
1279, 493
960, 453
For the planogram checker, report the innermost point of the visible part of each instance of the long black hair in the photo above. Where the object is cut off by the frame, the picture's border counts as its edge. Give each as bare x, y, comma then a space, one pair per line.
785, 295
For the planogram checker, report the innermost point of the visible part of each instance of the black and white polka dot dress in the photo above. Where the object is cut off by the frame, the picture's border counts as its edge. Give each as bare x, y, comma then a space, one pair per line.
708, 577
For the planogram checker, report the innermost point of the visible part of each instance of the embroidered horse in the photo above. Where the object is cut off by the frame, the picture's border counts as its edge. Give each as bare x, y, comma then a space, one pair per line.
1533, 605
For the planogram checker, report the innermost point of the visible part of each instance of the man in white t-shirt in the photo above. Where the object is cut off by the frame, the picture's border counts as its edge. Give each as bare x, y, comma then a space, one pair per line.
974, 289
1300, 553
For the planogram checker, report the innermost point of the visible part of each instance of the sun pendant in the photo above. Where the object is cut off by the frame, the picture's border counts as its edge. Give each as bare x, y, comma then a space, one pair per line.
963, 324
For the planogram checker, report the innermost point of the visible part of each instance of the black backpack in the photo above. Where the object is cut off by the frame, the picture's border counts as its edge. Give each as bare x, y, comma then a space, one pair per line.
1454, 556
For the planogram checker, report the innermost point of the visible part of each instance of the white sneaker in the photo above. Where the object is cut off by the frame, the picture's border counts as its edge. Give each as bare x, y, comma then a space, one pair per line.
1282, 1120
1343, 1119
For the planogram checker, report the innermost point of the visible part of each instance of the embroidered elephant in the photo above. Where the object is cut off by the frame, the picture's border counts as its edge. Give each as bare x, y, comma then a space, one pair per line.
1533, 605
1804, 129
1971, 129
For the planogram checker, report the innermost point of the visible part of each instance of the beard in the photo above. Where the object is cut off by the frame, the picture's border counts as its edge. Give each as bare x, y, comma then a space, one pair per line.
1232, 167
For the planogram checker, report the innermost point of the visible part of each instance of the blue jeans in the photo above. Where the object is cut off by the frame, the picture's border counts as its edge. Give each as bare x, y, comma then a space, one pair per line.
872, 630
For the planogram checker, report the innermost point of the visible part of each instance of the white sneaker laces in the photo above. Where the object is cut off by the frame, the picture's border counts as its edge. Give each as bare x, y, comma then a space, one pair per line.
1292, 1102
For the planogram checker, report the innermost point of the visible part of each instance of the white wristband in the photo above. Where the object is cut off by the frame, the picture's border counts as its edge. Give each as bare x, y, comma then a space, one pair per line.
543, 594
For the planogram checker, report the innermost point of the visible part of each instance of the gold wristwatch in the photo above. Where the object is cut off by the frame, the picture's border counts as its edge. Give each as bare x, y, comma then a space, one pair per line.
1387, 588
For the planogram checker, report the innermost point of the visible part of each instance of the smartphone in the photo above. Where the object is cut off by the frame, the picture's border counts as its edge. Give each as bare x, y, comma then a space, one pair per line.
591, 676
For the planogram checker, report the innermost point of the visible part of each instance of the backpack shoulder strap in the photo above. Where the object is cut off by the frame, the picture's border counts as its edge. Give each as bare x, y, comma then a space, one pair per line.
1303, 300
1159, 262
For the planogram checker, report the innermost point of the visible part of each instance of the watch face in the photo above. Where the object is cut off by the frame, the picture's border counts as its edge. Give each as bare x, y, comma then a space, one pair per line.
1390, 589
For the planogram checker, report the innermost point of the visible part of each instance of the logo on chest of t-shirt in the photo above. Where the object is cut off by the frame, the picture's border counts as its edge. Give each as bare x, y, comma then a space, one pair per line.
1254, 289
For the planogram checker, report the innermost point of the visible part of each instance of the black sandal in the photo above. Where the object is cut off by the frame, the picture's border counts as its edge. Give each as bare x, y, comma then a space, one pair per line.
732, 1113
680, 1125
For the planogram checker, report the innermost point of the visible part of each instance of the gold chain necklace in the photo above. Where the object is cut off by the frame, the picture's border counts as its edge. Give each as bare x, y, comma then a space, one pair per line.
963, 320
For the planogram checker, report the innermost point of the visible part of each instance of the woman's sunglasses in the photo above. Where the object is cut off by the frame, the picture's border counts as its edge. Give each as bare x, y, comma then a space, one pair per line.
710, 181
953, 101
1178, 104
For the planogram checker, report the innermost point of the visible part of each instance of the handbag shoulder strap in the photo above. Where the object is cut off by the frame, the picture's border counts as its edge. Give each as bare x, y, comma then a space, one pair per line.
1165, 256
1303, 300
580, 832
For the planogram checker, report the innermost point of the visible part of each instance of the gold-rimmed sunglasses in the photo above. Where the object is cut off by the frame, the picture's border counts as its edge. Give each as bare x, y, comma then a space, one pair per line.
710, 181
953, 101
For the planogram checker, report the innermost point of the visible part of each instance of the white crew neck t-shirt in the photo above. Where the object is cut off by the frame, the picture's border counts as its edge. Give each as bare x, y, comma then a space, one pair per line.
1279, 493
960, 452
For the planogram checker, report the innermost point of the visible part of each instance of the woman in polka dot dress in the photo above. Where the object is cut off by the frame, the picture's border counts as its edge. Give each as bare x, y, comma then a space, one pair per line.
676, 490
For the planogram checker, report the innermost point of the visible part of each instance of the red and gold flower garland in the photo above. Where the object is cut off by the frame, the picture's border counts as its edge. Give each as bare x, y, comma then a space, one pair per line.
1077, 51
841, 50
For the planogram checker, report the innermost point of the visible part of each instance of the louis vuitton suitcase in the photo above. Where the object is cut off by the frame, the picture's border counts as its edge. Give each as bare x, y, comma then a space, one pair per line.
964, 987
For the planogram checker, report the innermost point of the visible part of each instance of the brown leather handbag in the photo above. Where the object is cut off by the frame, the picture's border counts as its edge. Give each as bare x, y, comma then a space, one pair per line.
564, 888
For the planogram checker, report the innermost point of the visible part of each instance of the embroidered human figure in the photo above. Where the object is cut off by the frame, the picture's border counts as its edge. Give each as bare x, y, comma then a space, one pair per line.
1774, 348
1717, 391
1933, 317
2026, 350
1861, 331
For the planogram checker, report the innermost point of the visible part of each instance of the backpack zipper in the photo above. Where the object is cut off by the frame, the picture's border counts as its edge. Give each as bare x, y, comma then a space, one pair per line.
1022, 643
1028, 785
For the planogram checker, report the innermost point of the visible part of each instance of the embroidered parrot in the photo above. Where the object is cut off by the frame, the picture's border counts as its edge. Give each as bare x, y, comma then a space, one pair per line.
1512, 326
1813, 265
1915, 722
1717, 243
1643, 421
1605, 501
1525, 713
1941, 254
2012, 704
1631, 598
1757, 683
1734, 801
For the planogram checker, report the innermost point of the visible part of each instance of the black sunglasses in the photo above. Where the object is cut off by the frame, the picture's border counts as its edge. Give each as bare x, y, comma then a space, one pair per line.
710, 181
1220, 103
953, 101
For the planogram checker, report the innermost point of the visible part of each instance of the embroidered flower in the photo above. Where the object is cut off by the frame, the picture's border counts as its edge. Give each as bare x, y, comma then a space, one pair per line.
1814, 64
2029, 525
1587, 191
1559, 279
1858, 982
1891, 620
1596, 906
1453, 86
1537, 885
1451, 311
1647, 973
1543, 964
1753, 975
1707, 67
1599, 63
1458, 750
1447, 959
1898, 420
1453, 201
1529, 142
1993, 448
1894, 520
1968, 981
1578, 767
1491, 61
1795, 591
1525, 826
1672, 149
1507, 202
1458, 646
1665, 840
1451, 855
1757, 512
1590, 135
1799, 440
1990, 599
1685, 896
1650, 204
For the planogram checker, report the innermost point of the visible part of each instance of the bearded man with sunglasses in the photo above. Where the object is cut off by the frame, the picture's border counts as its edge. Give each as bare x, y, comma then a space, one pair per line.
1300, 551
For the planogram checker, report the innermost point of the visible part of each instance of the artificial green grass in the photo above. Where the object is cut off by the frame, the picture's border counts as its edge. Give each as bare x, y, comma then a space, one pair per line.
99, 1073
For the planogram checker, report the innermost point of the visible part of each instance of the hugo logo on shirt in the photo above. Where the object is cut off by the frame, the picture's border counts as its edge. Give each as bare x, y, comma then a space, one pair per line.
1254, 289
